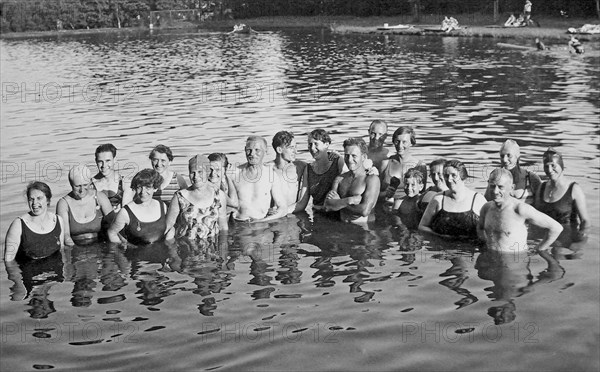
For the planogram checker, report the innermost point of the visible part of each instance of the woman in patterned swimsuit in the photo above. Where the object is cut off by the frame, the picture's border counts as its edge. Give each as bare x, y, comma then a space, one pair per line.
454, 212
200, 211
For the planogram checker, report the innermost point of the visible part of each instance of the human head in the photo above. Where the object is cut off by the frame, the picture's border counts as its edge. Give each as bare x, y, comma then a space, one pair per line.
285, 145
403, 138
377, 133
436, 172
500, 185
256, 148
105, 156
198, 168
146, 178
320, 135
459, 166
318, 143
553, 163
40, 186
220, 157
510, 153
80, 180
413, 182
161, 158
355, 153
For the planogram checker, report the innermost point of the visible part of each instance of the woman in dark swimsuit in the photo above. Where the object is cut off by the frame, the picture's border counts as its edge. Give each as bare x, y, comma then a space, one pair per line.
454, 212
560, 198
83, 209
37, 234
143, 220
319, 175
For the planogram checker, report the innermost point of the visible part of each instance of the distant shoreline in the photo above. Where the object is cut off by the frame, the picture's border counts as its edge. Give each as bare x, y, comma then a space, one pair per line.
553, 29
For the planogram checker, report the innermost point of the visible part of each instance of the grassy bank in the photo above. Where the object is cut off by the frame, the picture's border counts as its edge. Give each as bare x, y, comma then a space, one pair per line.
476, 25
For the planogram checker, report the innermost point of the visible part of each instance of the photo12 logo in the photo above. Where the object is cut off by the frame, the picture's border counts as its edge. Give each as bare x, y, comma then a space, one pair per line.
55, 92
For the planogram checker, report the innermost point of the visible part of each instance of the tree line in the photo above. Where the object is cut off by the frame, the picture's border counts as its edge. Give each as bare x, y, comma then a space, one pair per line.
43, 15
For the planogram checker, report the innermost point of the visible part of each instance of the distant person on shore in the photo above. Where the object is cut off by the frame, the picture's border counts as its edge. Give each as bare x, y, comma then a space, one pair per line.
256, 185
287, 168
503, 220
354, 193
377, 136
539, 45
527, 12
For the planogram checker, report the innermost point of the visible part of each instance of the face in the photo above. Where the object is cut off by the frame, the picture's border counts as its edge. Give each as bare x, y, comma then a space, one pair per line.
402, 144
215, 172
38, 203
160, 162
353, 157
288, 153
509, 157
105, 163
552, 168
317, 148
412, 186
437, 176
255, 152
144, 193
452, 177
80, 187
499, 188
377, 135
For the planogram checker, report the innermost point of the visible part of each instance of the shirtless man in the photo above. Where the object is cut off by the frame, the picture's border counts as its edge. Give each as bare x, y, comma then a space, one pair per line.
287, 168
256, 185
502, 221
377, 135
354, 193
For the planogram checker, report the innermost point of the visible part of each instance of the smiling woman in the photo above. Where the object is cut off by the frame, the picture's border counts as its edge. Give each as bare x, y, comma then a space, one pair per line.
161, 157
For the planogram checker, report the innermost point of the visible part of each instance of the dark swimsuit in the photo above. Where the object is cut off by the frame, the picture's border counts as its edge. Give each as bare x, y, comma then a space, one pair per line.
35, 246
138, 232
561, 210
165, 195
116, 198
320, 184
455, 223
86, 232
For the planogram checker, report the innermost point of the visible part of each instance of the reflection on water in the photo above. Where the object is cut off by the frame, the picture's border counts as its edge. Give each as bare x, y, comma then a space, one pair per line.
266, 295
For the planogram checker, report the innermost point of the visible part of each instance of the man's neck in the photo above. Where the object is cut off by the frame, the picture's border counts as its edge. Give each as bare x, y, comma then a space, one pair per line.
281, 163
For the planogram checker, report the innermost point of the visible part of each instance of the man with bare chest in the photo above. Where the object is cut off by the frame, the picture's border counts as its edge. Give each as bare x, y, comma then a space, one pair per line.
354, 193
256, 185
502, 222
287, 168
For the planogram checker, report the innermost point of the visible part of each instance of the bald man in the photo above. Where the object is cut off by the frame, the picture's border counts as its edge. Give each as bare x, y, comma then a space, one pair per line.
257, 184
526, 182
83, 208
377, 135
503, 220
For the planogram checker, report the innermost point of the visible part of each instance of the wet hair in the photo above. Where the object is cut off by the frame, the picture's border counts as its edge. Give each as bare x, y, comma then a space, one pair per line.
377, 122
146, 177
436, 162
40, 186
107, 147
257, 139
282, 139
358, 142
405, 130
219, 156
459, 166
550, 154
414, 173
320, 135
163, 150
497, 174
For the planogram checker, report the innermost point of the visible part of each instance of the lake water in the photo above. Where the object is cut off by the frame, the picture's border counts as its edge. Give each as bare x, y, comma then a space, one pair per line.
314, 294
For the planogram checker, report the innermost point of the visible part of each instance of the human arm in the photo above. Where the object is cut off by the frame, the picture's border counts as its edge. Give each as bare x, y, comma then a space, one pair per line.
18, 291
357, 204
62, 209
535, 217
535, 182
103, 202
172, 214
303, 194
118, 224
581, 207
12, 241
481, 223
432, 209
223, 217
128, 193
232, 198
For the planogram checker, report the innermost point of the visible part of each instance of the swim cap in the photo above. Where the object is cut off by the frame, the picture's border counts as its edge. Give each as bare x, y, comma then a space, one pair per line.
551, 154
198, 161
